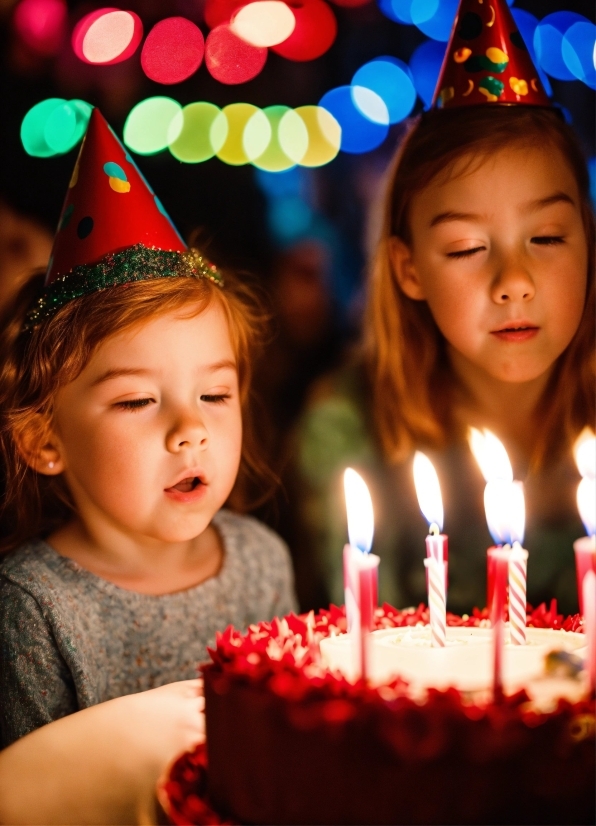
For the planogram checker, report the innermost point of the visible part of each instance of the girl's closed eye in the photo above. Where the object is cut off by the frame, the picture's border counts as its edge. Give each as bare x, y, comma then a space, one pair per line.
547, 240
215, 398
467, 253
134, 404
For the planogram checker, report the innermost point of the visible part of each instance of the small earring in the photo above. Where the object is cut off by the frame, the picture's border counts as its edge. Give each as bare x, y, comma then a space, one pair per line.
50, 465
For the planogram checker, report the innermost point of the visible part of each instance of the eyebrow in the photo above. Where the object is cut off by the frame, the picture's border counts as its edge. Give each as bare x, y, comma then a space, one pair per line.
116, 373
531, 206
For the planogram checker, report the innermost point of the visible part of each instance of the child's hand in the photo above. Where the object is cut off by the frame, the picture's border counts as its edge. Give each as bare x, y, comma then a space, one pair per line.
101, 765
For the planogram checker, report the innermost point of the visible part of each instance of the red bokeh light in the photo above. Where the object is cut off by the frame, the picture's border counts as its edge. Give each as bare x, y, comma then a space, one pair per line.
232, 60
217, 12
316, 28
41, 24
101, 42
173, 50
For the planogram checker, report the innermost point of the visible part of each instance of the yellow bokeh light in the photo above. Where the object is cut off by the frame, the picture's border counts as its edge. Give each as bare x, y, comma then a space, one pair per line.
273, 158
257, 135
237, 116
203, 133
293, 136
324, 135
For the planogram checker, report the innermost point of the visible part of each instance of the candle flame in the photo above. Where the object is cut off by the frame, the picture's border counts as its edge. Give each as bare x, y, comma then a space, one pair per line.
584, 451
361, 522
428, 490
505, 511
491, 455
586, 504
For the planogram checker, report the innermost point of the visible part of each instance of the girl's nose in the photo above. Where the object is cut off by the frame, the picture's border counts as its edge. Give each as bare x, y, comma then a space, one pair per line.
512, 284
188, 431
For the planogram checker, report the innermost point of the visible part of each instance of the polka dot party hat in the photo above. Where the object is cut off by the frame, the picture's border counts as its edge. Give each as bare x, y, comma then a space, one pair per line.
113, 229
487, 60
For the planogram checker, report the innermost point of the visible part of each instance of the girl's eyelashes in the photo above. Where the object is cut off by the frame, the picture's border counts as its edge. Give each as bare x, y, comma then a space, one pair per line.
219, 398
465, 253
547, 240
133, 404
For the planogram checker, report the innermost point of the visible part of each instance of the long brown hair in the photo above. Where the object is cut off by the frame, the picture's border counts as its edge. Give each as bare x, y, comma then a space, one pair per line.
36, 364
404, 348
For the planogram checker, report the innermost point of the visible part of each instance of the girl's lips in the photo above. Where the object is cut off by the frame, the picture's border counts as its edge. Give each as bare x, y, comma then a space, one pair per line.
187, 491
516, 333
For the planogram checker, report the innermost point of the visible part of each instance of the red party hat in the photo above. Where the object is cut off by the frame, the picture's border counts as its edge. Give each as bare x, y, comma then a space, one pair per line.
109, 206
487, 60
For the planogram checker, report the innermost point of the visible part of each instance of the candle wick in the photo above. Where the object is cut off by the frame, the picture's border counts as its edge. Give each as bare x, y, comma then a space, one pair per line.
434, 529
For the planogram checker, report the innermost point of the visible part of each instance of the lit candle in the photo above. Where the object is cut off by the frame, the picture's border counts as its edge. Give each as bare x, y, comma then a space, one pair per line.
360, 567
585, 548
430, 501
589, 600
500, 557
506, 516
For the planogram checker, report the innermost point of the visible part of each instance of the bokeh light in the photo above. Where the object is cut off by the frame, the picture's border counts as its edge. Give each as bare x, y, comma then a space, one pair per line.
358, 133
107, 36
390, 79
548, 40
398, 10
173, 50
526, 23
152, 125
41, 24
237, 116
54, 126
293, 136
324, 135
289, 217
230, 59
578, 49
438, 25
257, 135
204, 132
264, 23
217, 12
315, 31
274, 158
371, 105
425, 66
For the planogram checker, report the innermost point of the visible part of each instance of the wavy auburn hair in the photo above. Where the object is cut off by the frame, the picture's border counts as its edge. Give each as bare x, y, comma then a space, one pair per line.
36, 364
412, 382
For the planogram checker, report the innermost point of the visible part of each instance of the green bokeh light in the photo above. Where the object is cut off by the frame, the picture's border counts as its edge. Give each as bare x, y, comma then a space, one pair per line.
257, 135
153, 124
204, 132
33, 127
274, 159
293, 136
54, 126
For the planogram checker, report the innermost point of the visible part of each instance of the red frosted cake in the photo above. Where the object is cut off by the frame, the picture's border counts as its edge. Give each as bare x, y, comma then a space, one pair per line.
292, 738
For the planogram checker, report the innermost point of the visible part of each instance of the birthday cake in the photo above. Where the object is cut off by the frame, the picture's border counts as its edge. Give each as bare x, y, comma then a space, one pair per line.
294, 737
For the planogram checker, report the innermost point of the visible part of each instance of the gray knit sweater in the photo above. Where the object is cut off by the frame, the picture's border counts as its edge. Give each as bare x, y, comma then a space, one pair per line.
69, 639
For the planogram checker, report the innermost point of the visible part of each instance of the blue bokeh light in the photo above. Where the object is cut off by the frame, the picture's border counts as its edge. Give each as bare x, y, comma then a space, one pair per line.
358, 133
526, 23
577, 49
423, 10
279, 184
439, 26
548, 39
592, 172
289, 218
398, 10
391, 79
425, 65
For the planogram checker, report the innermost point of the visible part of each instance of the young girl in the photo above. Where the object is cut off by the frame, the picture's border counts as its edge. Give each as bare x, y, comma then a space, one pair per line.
122, 415
480, 313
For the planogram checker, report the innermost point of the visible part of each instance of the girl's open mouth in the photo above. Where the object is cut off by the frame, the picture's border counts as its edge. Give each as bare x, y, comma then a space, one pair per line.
189, 489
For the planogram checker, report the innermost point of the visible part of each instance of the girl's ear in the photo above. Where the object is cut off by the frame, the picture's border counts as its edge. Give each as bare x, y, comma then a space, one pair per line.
39, 447
404, 270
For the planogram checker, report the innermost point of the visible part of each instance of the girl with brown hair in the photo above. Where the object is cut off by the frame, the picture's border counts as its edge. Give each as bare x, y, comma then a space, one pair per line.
123, 394
480, 313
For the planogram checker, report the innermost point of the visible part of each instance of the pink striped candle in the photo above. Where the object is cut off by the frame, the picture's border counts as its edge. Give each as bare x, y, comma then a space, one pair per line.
437, 602
437, 548
360, 576
497, 601
585, 560
518, 563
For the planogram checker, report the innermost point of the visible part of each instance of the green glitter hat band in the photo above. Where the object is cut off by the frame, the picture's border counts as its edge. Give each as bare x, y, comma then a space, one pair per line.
136, 263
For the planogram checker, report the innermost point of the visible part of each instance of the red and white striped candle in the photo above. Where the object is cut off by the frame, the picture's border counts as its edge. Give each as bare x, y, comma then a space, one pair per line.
437, 603
518, 564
